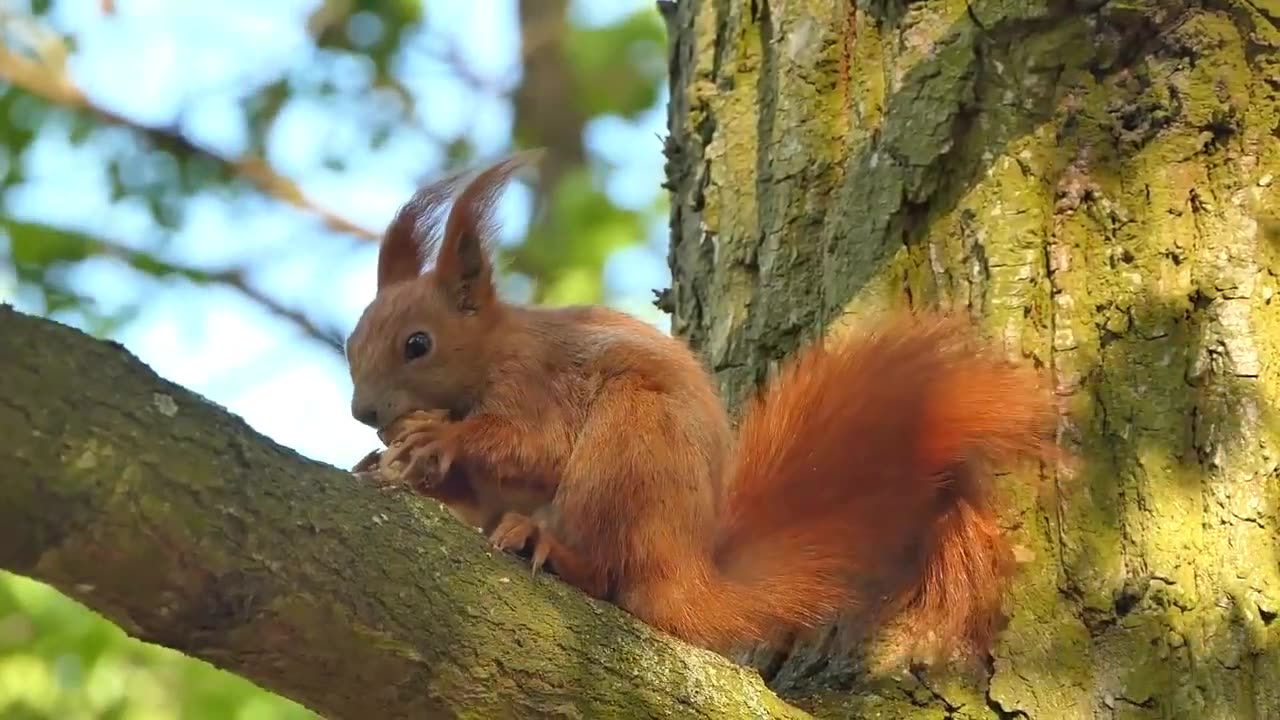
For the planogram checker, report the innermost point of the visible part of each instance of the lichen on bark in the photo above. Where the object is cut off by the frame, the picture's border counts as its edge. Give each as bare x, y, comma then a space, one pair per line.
1085, 181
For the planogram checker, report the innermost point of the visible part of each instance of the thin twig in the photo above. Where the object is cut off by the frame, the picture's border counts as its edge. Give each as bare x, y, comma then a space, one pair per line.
236, 278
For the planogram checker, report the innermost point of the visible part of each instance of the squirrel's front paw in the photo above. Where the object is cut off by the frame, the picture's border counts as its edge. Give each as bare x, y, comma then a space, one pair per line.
368, 463
424, 449
370, 469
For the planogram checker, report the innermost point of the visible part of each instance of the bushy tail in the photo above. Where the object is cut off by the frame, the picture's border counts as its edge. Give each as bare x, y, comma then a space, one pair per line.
861, 484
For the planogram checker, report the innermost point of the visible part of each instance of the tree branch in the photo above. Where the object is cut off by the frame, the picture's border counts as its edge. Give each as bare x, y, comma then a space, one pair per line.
179, 523
54, 86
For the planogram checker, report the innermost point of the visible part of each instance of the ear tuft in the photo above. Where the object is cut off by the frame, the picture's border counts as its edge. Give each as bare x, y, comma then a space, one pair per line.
463, 264
411, 238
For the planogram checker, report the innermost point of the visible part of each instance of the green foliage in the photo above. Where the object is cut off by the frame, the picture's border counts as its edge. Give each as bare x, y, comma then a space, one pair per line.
606, 86
59, 661
581, 231
371, 27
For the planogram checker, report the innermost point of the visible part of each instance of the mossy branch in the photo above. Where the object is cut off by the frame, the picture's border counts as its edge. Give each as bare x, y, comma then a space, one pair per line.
175, 520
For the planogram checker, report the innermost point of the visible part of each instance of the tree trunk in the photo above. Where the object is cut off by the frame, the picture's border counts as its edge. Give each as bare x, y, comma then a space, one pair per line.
1084, 179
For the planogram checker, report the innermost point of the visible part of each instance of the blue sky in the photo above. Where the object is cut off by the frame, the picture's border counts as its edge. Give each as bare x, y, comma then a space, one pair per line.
183, 62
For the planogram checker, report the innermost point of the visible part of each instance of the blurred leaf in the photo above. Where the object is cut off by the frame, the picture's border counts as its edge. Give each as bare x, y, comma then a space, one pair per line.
566, 253
609, 68
20, 116
37, 247
261, 109
81, 127
82, 667
375, 28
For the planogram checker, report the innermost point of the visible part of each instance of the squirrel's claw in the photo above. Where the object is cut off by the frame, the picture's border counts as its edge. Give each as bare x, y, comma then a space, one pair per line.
427, 463
367, 463
541, 550
514, 532
429, 444
430, 462
384, 480
373, 469
414, 422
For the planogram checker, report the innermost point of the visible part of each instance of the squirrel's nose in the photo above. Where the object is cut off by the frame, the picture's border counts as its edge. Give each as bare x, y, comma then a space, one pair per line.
367, 414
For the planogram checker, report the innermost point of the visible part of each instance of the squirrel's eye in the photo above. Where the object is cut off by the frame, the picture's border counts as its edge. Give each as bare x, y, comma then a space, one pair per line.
417, 345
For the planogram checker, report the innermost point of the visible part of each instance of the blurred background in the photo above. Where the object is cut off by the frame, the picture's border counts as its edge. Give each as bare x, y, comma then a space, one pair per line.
205, 184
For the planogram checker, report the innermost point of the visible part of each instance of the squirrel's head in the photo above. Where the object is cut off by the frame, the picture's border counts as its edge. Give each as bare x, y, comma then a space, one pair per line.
425, 340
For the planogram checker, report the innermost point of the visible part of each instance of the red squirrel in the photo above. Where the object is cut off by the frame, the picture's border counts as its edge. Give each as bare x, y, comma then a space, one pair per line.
859, 480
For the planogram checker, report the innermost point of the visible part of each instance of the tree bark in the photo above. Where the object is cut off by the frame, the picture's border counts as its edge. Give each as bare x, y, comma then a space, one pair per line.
177, 522
1084, 179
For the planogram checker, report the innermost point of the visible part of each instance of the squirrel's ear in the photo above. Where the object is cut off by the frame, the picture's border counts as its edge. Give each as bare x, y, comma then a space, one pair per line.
410, 240
463, 265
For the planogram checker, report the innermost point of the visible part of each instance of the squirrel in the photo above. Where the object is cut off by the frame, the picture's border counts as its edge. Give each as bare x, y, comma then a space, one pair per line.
859, 480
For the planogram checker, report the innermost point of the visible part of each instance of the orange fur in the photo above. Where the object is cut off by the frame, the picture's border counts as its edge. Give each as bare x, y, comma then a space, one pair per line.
859, 479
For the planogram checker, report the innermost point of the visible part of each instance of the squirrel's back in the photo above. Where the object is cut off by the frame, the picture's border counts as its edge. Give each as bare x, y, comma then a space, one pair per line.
604, 342
591, 347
